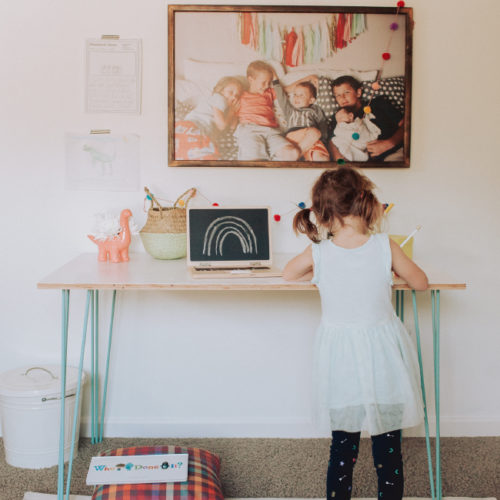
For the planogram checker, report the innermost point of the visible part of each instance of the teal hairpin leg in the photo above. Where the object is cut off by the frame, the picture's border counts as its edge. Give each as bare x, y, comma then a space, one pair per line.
96, 368
435, 335
78, 390
400, 304
64, 352
422, 385
94, 361
105, 389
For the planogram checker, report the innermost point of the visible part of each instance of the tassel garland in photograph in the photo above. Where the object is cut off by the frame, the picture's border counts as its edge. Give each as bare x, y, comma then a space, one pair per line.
299, 44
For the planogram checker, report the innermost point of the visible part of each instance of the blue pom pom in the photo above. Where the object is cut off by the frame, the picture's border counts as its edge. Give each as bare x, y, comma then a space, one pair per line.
302, 205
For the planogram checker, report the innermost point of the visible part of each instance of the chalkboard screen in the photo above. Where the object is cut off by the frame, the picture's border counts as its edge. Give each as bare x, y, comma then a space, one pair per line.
228, 234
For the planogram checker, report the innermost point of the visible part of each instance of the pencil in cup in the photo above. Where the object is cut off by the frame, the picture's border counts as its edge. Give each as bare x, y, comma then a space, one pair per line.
406, 242
408, 246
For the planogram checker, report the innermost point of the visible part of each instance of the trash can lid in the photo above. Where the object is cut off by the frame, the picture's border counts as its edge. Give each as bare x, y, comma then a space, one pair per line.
37, 380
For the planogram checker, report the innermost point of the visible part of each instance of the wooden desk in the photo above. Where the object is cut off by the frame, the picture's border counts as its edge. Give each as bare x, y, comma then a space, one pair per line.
145, 273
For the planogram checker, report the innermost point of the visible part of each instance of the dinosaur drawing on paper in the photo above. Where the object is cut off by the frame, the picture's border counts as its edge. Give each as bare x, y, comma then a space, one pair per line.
101, 158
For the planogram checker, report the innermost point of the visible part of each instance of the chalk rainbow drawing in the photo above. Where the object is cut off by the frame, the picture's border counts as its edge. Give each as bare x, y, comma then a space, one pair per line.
220, 228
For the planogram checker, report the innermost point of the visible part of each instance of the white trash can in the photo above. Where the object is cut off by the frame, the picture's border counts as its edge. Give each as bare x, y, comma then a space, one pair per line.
30, 404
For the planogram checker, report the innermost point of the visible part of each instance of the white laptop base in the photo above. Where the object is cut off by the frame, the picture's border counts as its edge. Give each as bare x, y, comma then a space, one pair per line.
255, 272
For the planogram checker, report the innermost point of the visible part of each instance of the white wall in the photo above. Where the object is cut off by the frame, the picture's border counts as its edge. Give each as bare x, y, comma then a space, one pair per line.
245, 356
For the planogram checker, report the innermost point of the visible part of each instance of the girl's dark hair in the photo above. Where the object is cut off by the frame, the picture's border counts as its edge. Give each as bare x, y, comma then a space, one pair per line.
336, 194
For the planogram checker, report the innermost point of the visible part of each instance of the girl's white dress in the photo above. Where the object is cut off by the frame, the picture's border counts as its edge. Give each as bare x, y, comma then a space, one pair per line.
366, 368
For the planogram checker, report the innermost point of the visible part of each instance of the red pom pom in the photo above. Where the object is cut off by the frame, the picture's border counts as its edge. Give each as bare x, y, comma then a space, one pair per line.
386, 56
215, 204
277, 218
400, 3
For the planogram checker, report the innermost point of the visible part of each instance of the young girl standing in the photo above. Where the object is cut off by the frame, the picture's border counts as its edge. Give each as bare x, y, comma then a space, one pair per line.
366, 367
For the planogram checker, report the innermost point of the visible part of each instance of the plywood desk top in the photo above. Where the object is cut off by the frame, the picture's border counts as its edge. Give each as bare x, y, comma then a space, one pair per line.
143, 272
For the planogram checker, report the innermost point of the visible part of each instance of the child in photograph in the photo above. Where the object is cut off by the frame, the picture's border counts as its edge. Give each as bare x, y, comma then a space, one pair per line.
366, 368
196, 136
352, 135
388, 146
307, 126
258, 132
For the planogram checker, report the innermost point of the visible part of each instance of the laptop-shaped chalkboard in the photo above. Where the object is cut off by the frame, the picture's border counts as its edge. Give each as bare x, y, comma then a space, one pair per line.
229, 242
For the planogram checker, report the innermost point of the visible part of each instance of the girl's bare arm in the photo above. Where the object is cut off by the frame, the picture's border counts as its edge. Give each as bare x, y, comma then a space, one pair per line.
301, 267
404, 267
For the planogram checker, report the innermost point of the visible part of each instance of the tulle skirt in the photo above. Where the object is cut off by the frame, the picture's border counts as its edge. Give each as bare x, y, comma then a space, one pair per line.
366, 378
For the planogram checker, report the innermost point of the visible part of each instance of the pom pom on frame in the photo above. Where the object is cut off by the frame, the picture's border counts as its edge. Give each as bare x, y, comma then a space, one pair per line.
400, 3
386, 56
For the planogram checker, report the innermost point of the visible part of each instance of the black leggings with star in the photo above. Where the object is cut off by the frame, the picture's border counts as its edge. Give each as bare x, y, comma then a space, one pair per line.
386, 450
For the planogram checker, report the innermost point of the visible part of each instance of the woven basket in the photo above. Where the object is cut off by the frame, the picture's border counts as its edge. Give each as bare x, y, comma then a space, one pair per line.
164, 234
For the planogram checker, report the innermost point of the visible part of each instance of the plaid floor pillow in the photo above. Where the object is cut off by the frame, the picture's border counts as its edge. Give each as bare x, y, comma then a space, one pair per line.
203, 477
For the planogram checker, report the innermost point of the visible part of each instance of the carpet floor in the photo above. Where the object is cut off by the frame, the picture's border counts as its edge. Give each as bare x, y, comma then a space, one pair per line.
290, 468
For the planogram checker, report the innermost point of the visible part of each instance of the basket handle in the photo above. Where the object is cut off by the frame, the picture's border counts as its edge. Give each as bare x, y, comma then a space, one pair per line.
40, 368
152, 198
190, 193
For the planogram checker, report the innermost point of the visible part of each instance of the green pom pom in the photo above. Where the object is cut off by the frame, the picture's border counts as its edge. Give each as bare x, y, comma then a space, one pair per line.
340, 161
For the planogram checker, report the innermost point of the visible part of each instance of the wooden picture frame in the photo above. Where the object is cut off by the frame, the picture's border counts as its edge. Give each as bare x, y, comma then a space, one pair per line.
298, 43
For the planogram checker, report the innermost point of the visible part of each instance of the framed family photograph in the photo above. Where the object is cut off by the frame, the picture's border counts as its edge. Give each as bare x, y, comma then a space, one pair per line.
292, 87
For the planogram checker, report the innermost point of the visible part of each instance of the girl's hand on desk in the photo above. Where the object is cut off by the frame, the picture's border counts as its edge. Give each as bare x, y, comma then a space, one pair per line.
301, 267
406, 269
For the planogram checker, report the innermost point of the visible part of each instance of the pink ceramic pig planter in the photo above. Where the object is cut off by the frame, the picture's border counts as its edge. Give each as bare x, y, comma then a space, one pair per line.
116, 247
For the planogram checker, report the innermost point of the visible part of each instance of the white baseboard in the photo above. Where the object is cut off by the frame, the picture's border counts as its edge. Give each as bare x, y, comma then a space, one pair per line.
270, 428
